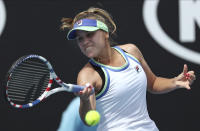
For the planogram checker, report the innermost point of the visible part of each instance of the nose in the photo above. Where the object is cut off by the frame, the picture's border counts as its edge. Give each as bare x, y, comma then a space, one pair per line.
84, 41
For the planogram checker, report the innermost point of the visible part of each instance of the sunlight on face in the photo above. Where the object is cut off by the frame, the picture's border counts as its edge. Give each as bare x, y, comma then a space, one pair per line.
91, 43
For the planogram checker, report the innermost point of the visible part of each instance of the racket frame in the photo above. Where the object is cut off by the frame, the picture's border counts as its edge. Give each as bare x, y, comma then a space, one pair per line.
48, 91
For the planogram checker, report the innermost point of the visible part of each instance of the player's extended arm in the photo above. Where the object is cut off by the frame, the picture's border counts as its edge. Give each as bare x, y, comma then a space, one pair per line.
87, 100
160, 84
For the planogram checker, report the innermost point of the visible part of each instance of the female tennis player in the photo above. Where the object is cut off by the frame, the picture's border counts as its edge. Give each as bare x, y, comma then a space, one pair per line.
119, 74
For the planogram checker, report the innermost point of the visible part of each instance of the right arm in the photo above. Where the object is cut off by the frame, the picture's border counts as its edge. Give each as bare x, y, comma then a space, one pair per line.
87, 101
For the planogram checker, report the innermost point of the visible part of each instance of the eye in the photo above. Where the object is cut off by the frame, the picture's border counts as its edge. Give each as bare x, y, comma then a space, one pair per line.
79, 39
90, 34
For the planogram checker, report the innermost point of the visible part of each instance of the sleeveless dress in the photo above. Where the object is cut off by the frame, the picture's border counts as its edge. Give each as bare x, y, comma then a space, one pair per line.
122, 100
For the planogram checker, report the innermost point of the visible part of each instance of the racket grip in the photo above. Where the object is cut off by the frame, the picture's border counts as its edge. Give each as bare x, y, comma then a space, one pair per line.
77, 88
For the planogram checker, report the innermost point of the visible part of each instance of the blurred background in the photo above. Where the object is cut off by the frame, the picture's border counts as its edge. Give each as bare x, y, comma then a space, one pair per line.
167, 33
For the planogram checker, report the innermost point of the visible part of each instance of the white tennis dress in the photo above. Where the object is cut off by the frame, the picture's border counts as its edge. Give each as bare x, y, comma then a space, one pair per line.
122, 102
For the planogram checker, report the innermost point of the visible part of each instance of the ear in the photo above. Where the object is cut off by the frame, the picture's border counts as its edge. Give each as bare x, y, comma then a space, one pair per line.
107, 35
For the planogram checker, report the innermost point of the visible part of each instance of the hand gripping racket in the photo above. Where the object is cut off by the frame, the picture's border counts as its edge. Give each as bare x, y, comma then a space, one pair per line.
30, 79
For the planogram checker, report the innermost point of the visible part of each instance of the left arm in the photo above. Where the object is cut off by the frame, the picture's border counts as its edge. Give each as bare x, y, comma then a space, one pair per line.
157, 84
164, 85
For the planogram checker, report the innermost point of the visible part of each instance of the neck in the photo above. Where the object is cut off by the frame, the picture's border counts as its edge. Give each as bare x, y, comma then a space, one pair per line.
106, 56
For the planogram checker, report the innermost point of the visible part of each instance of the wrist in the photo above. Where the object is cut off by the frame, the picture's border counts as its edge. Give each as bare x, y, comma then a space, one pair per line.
176, 83
84, 100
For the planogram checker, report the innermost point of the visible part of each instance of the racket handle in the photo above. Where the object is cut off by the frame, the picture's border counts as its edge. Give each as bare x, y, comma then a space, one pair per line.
77, 88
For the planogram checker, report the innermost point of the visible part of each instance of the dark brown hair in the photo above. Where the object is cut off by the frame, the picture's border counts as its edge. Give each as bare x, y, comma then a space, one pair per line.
93, 13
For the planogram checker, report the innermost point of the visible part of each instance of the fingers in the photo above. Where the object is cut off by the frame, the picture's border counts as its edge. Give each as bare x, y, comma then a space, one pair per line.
185, 69
86, 92
190, 76
186, 78
89, 87
183, 84
188, 87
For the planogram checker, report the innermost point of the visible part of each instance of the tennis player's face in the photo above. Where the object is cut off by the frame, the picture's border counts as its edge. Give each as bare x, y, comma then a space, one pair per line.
91, 43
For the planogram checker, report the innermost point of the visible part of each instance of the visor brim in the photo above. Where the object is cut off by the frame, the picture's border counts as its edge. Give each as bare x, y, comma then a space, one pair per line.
72, 33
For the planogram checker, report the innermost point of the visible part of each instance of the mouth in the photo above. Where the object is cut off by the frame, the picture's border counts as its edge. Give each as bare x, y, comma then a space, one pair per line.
87, 46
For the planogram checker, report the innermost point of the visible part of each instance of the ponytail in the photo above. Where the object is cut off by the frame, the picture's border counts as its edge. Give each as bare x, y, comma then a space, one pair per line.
93, 13
66, 23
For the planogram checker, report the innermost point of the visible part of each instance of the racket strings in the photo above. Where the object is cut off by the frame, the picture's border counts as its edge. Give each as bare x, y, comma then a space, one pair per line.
28, 80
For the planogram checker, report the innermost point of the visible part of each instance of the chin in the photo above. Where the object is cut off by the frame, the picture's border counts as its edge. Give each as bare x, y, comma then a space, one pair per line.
90, 55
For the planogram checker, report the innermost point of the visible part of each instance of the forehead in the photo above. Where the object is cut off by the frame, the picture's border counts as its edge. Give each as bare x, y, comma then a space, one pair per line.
79, 32
83, 33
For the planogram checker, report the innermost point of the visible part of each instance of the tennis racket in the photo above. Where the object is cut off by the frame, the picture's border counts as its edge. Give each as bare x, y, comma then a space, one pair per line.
29, 81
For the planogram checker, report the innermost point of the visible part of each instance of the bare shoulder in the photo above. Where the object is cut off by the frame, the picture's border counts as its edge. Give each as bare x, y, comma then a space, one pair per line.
133, 50
128, 47
89, 75
85, 74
